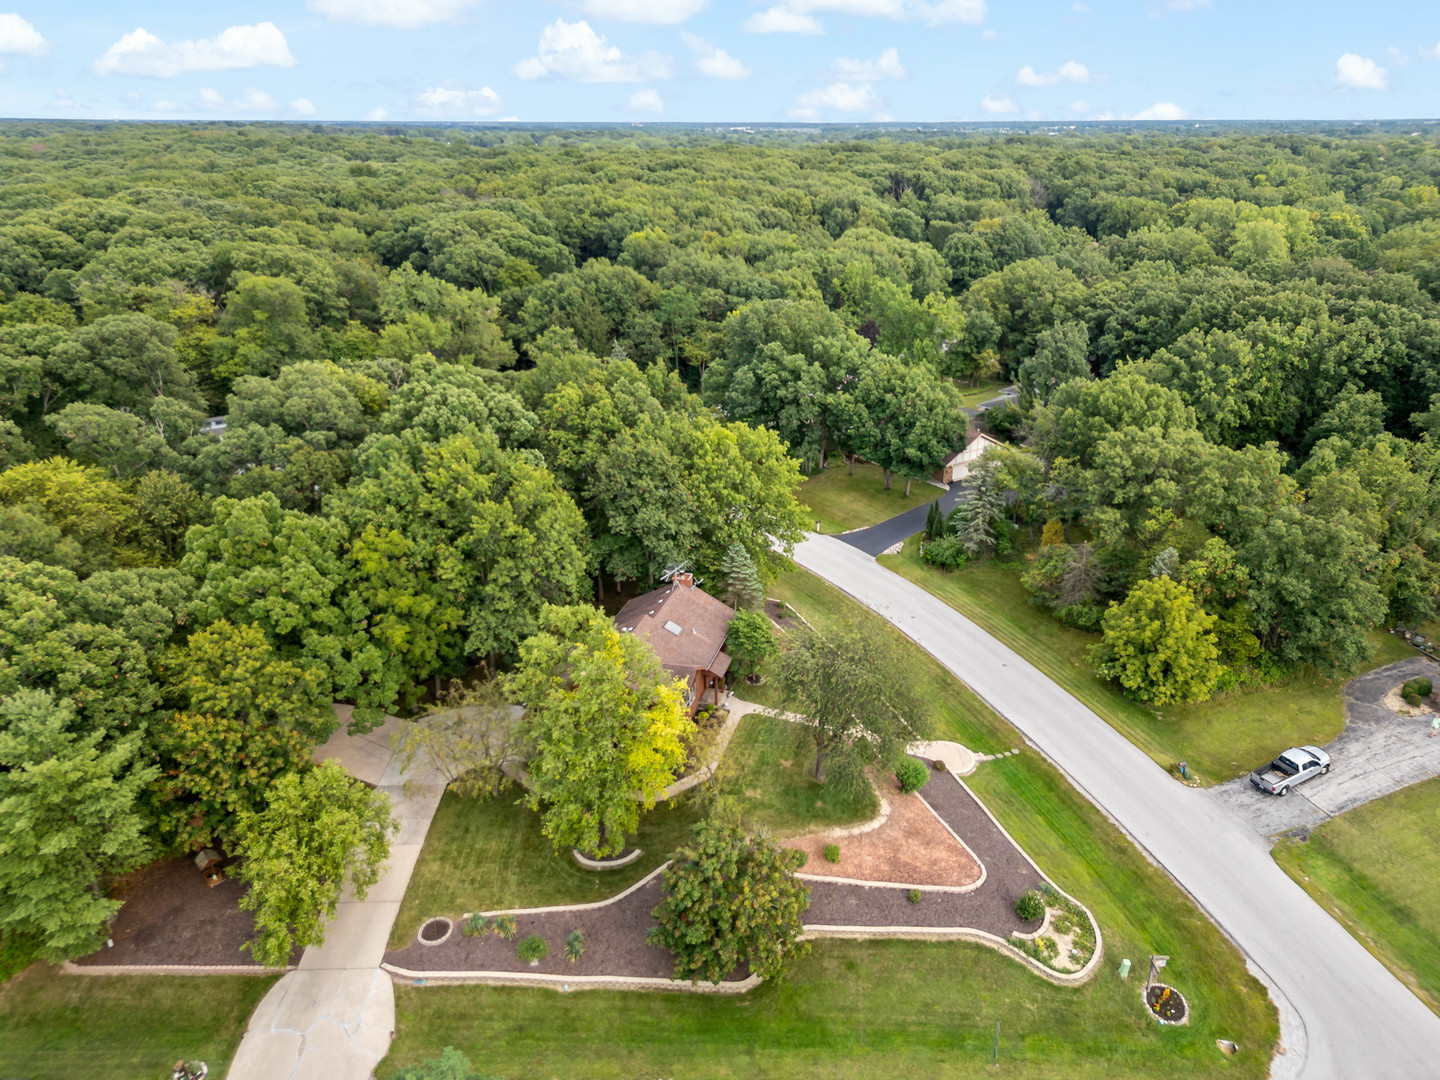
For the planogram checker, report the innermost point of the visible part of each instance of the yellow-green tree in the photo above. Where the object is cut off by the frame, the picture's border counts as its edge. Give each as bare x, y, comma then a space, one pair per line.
1158, 644
609, 728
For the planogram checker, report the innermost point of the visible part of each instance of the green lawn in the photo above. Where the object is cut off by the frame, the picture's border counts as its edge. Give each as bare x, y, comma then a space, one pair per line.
841, 502
887, 1009
1375, 869
1221, 738
479, 856
983, 390
55, 1026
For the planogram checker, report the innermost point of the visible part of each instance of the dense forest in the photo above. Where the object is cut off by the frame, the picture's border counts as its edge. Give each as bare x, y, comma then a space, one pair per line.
456, 376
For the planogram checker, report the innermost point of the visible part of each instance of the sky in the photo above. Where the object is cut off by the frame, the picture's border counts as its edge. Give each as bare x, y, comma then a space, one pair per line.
736, 61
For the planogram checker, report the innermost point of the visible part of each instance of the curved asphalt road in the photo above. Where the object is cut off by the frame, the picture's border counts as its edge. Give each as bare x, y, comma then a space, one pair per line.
1358, 1022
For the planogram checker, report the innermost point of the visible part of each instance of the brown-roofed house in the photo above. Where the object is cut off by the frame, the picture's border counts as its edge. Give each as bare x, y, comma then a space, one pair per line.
686, 627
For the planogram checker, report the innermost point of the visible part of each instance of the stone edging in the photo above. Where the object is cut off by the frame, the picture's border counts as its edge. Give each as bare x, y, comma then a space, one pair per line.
1037, 933
72, 968
564, 983
1094, 962
449, 929
888, 884
945, 933
575, 907
1158, 1018
606, 864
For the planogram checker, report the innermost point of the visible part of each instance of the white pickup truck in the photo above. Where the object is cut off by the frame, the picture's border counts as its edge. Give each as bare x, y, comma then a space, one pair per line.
1294, 766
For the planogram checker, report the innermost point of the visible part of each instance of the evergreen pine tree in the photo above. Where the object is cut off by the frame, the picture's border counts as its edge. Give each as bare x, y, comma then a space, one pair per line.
934, 522
739, 580
981, 505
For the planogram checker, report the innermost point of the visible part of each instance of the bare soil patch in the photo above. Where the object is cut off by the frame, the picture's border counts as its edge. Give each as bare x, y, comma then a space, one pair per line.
912, 847
171, 917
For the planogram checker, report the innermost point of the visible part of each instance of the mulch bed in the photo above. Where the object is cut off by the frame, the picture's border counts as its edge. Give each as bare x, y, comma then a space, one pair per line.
911, 848
1165, 1003
614, 944
786, 622
171, 917
615, 933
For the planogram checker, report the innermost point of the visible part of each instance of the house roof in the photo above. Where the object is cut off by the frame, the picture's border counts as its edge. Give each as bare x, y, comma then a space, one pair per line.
684, 624
972, 452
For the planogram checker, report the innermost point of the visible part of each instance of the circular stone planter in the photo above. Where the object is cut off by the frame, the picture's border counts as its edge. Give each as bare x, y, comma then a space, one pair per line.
435, 931
1166, 1004
625, 858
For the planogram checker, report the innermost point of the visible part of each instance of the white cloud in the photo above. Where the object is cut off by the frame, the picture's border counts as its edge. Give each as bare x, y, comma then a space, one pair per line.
798, 16
376, 114
988, 35
1068, 72
574, 51
777, 20
716, 63
1162, 110
401, 14
992, 104
885, 66
302, 107
1430, 53
458, 101
1188, 5
248, 101
142, 53
647, 100
659, 12
1080, 106
1360, 73
1397, 57
840, 97
19, 38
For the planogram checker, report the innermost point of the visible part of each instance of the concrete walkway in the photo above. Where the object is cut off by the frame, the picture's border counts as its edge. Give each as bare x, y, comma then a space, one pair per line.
334, 1016
1378, 753
1343, 1015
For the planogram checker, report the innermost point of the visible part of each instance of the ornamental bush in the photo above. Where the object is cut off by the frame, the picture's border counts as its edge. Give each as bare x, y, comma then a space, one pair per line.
533, 947
1031, 906
1416, 689
730, 898
574, 945
506, 927
912, 775
474, 925
832, 852
914, 896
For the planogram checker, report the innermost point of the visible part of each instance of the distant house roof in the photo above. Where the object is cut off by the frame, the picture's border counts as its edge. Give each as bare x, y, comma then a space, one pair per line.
684, 624
976, 447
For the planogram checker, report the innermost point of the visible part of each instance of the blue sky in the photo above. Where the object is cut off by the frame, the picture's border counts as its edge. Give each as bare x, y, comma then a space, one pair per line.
720, 60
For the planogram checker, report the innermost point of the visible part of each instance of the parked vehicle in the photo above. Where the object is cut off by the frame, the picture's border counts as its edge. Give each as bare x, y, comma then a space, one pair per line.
1294, 766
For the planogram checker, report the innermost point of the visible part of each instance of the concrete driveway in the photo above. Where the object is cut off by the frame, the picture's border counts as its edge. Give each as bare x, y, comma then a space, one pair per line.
1378, 752
1343, 1015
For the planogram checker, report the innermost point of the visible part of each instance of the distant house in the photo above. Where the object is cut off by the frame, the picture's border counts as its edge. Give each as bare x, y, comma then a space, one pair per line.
686, 627
958, 467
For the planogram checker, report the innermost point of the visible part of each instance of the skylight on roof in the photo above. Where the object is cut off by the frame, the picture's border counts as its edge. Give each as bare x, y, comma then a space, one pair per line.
673, 627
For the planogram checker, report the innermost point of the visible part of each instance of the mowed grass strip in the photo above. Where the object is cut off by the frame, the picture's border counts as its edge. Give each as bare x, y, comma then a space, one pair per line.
1221, 738
124, 1027
841, 502
1375, 868
885, 1009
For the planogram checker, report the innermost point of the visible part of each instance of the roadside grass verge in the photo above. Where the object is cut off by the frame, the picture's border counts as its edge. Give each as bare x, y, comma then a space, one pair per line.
983, 390
1375, 869
841, 502
122, 1027
885, 1009
1221, 738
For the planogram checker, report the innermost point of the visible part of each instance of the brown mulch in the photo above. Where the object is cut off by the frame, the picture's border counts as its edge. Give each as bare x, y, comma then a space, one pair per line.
615, 934
171, 917
614, 943
785, 623
911, 848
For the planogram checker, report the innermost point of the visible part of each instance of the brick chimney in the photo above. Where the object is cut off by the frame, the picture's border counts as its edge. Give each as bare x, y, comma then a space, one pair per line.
686, 579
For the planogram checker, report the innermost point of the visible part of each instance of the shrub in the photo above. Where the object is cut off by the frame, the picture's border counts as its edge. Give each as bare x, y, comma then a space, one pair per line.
801, 858
574, 945
832, 852
474, 925
1053, 533
533, 947
1049, 950
1416, 689
948, 553
911, 774
506, 927
939, 765
1031, 906
914, 896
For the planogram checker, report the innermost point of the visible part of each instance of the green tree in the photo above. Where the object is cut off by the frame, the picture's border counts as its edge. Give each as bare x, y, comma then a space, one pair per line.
468, 739
115, 440
852, 690
731, 899
81, 502
319, 831
1158, 644
1061, 354
608, 726
980, 508
265, 326
751, 639
913, 418
68, 818
740, 581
